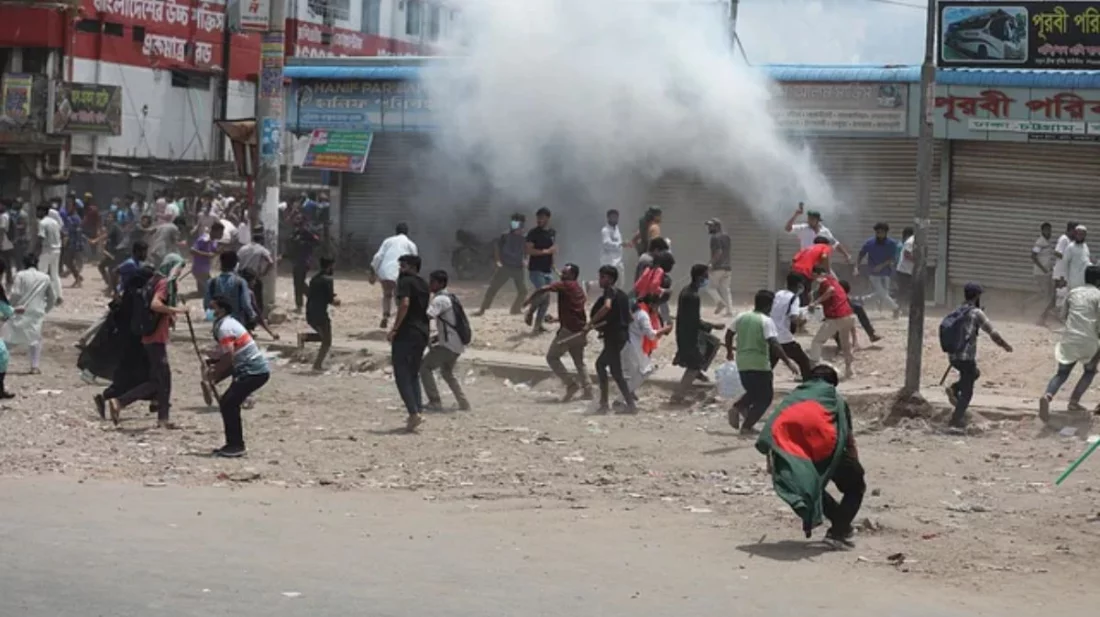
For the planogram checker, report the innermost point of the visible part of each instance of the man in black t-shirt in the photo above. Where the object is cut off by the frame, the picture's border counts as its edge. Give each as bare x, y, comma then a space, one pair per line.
612, 309
541, 249
409, 336
321, 294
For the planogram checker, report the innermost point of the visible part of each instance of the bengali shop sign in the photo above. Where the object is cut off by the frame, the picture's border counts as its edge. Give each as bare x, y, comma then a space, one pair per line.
1017, 114
359, 106
1019, 35
338, 150
88, 109
832, 108
17, 89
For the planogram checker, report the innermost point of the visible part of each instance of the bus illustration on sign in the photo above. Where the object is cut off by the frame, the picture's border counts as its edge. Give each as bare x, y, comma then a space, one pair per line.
988, 34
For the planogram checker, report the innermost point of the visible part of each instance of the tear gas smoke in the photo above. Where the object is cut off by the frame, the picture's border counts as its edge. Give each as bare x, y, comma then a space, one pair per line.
579, 104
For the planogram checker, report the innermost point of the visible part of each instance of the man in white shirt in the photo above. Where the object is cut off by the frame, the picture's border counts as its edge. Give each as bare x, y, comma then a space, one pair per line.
811, 229
7, 247
1042, 258
611, 244
904, 274
49, 247
1059, 271
385, 266
1077, 258
446, 346
787, 315
1079, 344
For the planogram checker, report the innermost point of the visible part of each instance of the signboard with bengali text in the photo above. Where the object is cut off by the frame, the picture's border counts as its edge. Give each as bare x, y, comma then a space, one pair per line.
338, 150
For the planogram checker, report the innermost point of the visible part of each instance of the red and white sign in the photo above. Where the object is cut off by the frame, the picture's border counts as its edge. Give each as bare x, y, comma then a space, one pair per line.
184, 34
254, 14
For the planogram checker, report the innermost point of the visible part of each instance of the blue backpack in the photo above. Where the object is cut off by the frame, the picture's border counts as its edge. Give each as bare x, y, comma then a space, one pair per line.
955, 330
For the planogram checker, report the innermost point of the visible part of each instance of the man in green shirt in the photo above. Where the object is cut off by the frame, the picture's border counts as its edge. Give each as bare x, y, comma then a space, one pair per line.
757, 338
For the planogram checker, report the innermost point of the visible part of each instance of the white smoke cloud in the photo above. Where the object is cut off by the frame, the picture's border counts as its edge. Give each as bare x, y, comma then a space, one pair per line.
576, 93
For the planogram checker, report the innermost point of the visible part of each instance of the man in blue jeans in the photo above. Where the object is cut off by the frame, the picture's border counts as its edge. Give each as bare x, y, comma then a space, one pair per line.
881, 252
541, 248
409, 336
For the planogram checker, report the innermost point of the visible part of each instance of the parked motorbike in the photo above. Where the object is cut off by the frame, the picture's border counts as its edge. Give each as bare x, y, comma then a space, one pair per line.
473, 258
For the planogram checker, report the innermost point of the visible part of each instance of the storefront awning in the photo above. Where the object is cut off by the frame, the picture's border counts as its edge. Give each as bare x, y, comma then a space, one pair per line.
375, 73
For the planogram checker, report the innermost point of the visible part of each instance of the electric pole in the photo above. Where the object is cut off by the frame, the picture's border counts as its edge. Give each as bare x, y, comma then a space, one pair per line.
264, 210
733, 24
915, 344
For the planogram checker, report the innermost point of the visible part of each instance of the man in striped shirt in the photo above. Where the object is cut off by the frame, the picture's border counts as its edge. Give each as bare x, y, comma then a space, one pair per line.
243, 358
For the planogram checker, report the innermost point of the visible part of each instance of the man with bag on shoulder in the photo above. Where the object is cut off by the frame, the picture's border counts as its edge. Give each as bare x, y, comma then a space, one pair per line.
446, 346
959, 339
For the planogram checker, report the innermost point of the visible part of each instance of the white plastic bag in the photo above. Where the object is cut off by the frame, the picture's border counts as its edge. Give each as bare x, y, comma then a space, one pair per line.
729, 381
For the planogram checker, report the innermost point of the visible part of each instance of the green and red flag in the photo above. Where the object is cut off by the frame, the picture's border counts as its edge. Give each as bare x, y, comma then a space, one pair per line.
804, 440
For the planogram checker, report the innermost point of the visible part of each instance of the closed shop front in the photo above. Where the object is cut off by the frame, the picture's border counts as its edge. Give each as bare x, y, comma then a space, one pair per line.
874, 180
1001, 192
687, 203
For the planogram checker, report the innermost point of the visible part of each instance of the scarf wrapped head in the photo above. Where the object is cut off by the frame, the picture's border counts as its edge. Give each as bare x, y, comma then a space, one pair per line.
169, 267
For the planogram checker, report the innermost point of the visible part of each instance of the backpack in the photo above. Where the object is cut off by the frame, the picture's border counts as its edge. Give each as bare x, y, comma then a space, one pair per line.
461, 324
955, 330
143, 320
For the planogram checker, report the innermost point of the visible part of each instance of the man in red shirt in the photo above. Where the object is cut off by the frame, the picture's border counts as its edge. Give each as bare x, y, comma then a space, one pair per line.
809, 259
839, 319
571, 337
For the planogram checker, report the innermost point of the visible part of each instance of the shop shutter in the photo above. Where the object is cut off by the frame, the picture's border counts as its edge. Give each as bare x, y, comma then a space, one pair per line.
687, 202
1001, 193
377, 199
875, 180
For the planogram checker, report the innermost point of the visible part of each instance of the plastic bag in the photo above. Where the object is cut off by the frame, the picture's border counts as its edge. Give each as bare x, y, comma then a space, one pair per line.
729, 381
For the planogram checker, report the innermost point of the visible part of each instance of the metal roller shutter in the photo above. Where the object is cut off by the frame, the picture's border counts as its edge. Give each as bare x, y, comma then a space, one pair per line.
687, 203
876, 181
1001, 193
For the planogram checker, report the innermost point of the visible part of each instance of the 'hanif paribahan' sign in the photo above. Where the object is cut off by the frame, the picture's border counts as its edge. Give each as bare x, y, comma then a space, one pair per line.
1019, 35
338, 150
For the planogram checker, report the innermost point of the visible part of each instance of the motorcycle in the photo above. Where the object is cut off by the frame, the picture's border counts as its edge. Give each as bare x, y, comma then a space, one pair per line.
473, 258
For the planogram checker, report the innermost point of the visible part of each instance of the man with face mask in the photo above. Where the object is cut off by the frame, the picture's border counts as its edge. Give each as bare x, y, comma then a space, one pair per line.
508, 254
881, 252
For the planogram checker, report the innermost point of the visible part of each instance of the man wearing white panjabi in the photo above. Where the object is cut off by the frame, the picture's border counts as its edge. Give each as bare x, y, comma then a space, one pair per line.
31, 296
385, 266
49, 246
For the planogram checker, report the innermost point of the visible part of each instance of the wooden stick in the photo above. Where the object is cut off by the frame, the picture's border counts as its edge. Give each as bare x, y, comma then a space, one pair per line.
576, 335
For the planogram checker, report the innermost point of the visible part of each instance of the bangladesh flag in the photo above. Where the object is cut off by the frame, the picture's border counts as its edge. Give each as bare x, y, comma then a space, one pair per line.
804, 439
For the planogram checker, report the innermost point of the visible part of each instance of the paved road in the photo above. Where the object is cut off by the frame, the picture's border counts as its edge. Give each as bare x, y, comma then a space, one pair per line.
114, 550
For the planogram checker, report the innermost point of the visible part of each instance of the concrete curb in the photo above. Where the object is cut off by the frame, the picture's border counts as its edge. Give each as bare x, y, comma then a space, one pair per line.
533, 369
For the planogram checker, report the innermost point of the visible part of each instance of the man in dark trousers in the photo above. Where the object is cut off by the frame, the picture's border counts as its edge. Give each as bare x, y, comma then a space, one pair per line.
303, 241
809, 442
964, 357
541, 248
611, 315
322, 293
409, 336
695, 345
509, 253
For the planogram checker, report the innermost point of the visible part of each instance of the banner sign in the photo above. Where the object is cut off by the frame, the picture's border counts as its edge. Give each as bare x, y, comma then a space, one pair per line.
254, 15
87, 109
1016, 114
834, 108
1019, 35
17, 97
338, 150
359, 106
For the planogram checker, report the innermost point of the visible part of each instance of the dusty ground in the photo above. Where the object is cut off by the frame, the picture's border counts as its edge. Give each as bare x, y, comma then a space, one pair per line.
972, 511
1023, 373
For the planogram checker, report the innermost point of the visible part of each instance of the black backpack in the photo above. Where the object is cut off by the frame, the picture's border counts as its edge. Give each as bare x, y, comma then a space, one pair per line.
461, 324
143, 320
955, 330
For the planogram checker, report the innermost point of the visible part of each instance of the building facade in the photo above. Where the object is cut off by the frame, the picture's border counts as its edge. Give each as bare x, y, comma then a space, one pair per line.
142, 82
1012, 150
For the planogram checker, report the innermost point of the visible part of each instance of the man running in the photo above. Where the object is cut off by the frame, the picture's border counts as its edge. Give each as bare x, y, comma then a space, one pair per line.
757, 342
695, 345
1079, 343
509, 255
303, 241
839, 319
787, 316
322, 294
881, 252
807, 261
611, 316
409, 337
256, 258
906, 261
570, 337
809, 442
203, 252
446, 345
242, 357
386, 266
963, 355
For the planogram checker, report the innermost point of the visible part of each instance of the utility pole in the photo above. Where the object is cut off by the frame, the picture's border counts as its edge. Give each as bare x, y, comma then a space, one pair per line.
269, 131
915, 344
733, 24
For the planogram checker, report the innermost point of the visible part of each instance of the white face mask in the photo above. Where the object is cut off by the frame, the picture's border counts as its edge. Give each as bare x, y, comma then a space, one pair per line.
515, 225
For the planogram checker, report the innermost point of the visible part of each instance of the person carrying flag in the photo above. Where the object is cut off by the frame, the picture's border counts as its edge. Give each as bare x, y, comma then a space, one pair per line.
809, 442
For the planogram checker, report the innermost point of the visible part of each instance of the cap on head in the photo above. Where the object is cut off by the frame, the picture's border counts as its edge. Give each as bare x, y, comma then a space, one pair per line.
972, 290
1080, 228
813, 214
714, 224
